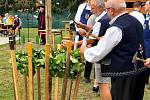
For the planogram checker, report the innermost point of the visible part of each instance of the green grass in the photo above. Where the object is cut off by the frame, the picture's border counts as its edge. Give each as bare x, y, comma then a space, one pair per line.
6, 80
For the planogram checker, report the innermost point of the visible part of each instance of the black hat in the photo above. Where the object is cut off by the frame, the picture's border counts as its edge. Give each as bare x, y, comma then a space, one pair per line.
40, 4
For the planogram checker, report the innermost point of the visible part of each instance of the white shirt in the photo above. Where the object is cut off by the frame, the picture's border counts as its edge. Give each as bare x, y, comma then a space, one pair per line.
97, 25
80, 10
139, 16
91, 20
111, 38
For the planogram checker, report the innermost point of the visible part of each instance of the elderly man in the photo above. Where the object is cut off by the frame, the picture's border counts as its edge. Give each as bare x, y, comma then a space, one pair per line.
116, 50
99, 29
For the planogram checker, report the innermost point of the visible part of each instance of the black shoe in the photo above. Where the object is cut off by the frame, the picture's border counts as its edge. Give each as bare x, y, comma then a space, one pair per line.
87, 80
96, 89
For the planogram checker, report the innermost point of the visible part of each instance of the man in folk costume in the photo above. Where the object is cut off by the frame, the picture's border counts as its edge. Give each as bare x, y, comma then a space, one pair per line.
41, 23
116, 50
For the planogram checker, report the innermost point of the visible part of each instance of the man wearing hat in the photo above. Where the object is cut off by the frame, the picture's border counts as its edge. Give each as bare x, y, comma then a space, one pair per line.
17, 24
41, 22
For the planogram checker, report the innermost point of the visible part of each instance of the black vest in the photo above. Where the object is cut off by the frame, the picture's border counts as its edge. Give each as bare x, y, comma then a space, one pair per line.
119, 61
104, 20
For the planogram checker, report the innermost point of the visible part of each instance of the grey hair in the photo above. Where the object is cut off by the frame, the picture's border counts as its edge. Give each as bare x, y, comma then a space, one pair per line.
117, 5
100, 3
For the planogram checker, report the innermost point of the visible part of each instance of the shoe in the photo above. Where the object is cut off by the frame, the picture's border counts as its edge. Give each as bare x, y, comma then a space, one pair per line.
42, 43
96, 89
87, 80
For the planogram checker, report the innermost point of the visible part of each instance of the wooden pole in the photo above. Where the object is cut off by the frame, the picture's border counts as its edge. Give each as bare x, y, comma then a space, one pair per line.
70, 81
38, 83
64, 87
15, 74
76, 87
70, 89
56, 88
25, 87
30, 67
47, 53
56, 91
48, 20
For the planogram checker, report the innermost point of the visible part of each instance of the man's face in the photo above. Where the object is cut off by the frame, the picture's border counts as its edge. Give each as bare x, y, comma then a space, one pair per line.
110, 10
41, 9
147, 6
89, 2
93, 7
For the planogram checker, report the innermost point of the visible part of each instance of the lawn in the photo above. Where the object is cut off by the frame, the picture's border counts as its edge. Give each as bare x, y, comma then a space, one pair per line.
6, 81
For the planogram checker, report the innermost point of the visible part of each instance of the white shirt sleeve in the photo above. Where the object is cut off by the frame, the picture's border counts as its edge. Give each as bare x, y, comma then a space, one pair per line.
79, 13
111, 38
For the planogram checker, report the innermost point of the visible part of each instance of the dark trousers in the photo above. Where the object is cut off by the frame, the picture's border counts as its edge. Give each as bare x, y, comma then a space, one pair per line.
87, 71
128, 88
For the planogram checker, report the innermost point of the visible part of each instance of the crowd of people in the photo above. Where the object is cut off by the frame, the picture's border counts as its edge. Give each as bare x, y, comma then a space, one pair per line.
121, 55
10, 21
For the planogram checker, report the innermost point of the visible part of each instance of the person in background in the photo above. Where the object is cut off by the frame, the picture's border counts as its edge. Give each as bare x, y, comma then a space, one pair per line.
147, 29
1, 19
147, 35
136, 12
17, 24
116, 50
5, 19
11, 19
82, 15
41, 23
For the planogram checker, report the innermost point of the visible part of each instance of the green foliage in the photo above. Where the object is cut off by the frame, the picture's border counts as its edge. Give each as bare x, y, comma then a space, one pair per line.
59, 6
75, 64
22, 62
57, 62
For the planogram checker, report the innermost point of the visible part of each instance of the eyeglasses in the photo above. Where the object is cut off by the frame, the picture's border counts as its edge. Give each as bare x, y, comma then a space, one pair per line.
108, 8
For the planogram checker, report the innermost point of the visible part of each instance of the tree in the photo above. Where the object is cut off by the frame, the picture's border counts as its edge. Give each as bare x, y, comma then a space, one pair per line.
7, 4
64, 5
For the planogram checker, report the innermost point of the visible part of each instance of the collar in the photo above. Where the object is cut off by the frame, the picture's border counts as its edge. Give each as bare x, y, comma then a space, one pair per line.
136, 10
87, 6
100, 16
114, 19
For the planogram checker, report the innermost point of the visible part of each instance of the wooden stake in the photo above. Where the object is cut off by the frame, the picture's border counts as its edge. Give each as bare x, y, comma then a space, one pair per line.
57, 81
12, 43
15, 74
78, 77
76, 87
38, 83
64, 87
56, 88
47, 53
25, 88
70, 89
48, 20
31, 83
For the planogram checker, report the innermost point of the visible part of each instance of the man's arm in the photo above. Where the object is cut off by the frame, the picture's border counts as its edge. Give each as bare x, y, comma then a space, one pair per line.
112, 37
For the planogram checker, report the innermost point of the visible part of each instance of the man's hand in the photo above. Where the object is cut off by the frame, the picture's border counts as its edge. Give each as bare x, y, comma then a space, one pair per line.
82, 32
83, 26
82, 49
64, 43
147, 62
78, 24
